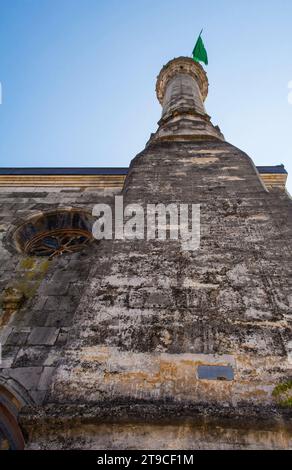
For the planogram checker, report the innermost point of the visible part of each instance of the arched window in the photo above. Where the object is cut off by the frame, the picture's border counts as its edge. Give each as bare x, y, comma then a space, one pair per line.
54, 233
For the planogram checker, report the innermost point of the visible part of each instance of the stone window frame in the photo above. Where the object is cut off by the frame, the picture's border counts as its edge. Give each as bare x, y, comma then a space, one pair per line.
14, 245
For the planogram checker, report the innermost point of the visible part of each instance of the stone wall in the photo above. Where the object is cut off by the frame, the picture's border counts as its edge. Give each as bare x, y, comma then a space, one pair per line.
151, 313
108, 345
38, 297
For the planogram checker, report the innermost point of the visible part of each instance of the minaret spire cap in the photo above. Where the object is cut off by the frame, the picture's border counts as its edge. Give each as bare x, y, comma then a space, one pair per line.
184, 65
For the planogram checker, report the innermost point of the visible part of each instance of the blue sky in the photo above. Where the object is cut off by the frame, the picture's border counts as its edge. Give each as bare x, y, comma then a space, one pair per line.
78, 76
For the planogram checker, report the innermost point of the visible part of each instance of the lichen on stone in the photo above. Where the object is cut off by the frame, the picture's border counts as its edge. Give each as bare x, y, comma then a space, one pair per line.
283, 393
28, 262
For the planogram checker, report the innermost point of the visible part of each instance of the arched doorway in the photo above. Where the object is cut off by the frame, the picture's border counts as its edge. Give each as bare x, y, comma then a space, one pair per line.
11, 437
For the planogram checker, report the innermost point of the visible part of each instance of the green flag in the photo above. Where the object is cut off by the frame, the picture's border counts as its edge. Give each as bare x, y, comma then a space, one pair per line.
199, 52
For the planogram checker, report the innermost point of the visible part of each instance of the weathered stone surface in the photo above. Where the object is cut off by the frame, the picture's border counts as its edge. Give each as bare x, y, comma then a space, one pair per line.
108, 341
34, 333
170, 436
43, 335
46, 378
28, 377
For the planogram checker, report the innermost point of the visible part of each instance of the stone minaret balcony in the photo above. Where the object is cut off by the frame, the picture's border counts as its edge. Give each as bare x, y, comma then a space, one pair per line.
182, 87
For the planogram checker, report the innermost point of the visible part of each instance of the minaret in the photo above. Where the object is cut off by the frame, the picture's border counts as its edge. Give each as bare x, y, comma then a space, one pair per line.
181, 88
182, 349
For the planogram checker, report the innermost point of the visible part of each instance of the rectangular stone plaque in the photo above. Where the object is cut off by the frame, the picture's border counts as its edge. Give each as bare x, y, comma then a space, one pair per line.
215, 372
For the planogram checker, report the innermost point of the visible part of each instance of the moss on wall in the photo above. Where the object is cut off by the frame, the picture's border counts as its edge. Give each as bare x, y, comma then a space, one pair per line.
27, 278
283, 393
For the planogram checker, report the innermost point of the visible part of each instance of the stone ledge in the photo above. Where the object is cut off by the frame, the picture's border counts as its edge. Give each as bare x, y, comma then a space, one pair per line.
125, 411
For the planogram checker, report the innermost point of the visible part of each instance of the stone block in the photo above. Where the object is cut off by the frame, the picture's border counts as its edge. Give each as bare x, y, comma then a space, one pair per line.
54, 287
43, 335
38, 396
55, 302
4, 334
17, 338
8, 354
28, 377
59, 318
63, 336
46, 378
32, 356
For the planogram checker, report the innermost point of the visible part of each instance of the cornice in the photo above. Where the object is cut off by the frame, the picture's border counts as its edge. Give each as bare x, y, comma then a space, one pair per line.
181, 65
97, 181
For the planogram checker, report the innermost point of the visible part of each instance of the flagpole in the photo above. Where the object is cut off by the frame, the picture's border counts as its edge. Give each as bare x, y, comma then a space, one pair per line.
200, 34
